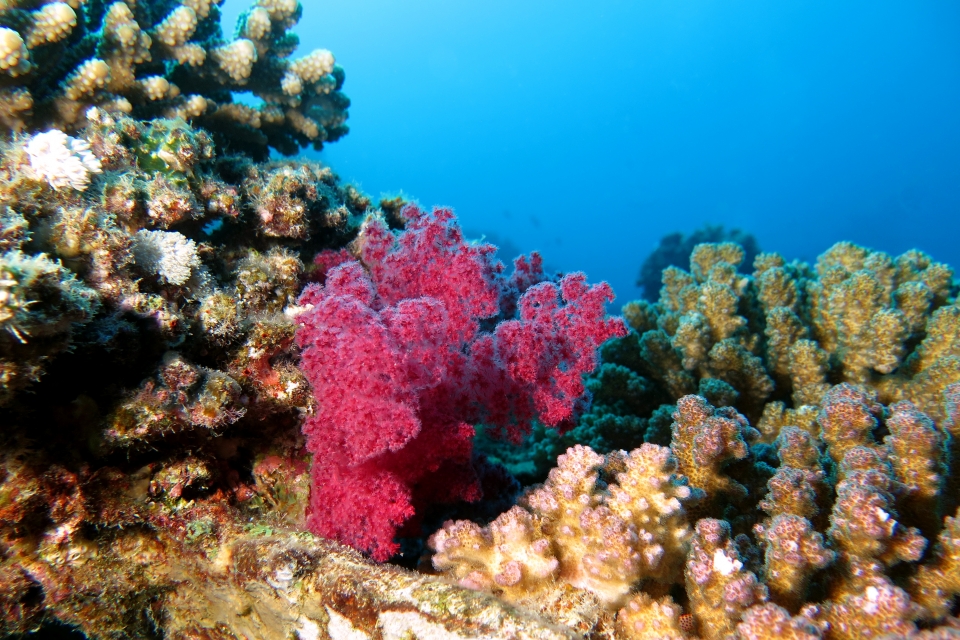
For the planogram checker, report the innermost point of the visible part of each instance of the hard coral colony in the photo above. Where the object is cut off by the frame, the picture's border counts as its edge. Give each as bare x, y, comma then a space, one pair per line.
205, 356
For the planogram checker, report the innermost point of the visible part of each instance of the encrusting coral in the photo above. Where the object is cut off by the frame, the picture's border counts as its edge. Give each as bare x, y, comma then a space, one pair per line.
168, 59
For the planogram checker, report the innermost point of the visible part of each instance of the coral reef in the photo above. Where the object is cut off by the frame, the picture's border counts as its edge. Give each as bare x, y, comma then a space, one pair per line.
209, 360
152, 402
771, 344
570, 533
168, 59
841, 559
394, 351
165, 251
822, 476
674, 251
156, 553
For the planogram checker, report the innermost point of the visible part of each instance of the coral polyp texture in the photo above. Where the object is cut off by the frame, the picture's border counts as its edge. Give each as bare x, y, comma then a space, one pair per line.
819, 454
393, 347
215, 371
169, 59
162, 249
233, 389
842, 559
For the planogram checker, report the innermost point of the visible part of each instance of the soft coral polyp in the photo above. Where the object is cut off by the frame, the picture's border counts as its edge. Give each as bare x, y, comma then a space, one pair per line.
401, 368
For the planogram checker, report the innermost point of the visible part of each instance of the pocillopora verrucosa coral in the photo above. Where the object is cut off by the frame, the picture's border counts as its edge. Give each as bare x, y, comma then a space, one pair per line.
821, 448
168, 59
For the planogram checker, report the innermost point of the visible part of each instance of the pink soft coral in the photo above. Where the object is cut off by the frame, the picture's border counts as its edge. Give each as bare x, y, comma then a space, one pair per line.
401, 367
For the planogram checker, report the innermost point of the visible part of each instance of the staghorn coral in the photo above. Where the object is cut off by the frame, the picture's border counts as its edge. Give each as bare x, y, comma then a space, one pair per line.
169, 59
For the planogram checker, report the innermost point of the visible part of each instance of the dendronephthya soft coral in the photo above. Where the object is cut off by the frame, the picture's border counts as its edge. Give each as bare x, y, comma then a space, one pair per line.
401, 368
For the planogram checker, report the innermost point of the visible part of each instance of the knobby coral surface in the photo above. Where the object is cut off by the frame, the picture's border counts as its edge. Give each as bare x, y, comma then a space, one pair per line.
770, 344
624, 545
152, 402
168, 59
674, 251
165, 276
158, 553
822, 445
767, 452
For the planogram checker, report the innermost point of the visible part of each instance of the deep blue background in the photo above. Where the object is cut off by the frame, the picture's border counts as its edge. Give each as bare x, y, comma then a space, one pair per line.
588, 132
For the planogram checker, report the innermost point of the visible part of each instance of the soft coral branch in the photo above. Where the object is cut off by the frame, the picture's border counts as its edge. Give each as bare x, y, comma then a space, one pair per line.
401, 368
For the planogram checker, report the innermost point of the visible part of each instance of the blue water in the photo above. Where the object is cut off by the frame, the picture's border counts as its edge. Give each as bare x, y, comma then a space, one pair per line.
589, 130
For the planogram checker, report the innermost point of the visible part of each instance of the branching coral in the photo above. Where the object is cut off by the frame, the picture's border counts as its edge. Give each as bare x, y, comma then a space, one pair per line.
937, 583
840, 555
772, 343
175, 406
704, 438
570, 533
793, 552
169, 59
719, 587
674, 251
166, 242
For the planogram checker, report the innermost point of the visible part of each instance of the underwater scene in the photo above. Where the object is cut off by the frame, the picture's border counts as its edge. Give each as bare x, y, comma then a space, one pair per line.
435, 321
